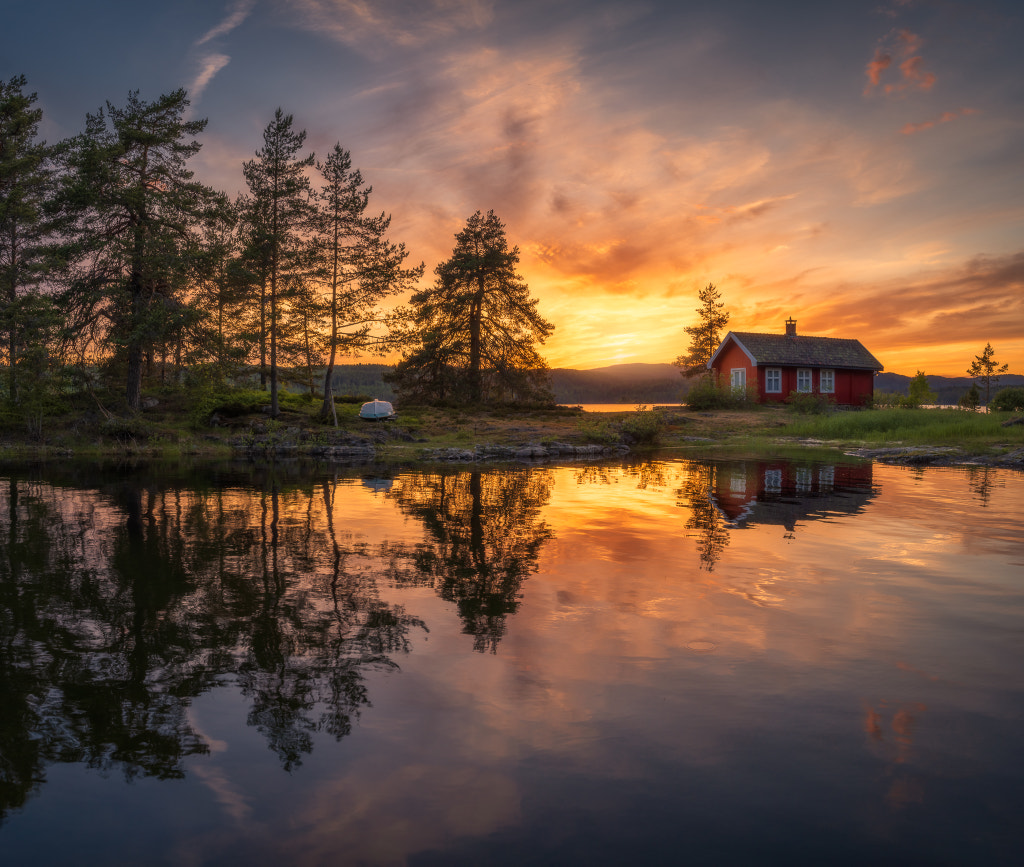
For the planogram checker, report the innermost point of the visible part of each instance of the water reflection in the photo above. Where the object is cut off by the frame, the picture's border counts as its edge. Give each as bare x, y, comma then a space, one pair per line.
121, 605
484, 534
772, 661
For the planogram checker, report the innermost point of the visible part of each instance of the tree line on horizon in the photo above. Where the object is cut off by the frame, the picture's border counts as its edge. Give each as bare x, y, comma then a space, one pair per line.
118, 268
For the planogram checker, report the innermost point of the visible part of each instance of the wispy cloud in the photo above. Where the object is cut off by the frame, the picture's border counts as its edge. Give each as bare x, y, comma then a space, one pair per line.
366, 25
209, 67
239, 12
945, 117
212, 63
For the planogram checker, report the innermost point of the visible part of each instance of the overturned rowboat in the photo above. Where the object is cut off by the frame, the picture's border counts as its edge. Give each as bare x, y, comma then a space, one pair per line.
376, 409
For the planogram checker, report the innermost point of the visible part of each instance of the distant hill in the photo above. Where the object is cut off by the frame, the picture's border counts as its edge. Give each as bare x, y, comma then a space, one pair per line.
619, 383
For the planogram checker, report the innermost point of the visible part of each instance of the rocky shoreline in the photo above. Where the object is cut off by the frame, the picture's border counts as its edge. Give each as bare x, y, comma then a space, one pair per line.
930, 456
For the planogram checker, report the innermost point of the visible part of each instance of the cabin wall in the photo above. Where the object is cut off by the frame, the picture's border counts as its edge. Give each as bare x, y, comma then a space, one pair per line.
734, 357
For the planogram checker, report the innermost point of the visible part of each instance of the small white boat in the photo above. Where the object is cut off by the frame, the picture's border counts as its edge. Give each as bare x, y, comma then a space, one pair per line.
377, 409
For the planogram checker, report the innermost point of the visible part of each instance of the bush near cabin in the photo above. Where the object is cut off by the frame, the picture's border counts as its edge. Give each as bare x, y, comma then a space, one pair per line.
1008, 400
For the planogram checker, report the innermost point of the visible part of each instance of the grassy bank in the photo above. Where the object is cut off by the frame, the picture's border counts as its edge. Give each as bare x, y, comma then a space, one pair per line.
177, 424
910, 427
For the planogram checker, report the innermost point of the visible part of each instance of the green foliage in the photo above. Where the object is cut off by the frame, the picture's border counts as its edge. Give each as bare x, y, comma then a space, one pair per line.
707, 393
707, 333
891, 400
1008, 400
919, 391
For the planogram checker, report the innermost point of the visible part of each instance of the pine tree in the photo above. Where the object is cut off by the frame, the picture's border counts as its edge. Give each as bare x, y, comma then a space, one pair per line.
987, 371
132, 216
919, 392
354, 259
280, 201
25, 177
474, 333
706, 335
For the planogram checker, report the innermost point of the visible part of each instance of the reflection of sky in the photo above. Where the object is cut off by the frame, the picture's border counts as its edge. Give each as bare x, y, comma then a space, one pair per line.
853, 682
855, 165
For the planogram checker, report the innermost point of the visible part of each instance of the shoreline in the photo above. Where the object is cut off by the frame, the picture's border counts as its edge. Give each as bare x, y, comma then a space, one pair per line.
431, 436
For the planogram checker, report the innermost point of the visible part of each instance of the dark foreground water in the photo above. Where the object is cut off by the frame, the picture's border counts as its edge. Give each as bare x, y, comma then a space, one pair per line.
666, 662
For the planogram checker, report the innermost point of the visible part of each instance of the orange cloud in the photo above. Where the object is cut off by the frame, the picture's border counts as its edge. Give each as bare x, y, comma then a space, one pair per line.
945, 117
879, 63
904, 46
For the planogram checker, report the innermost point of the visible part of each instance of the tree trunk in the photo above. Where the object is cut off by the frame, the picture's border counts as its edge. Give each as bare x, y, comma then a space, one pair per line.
134, 390
12, 333
274, 410
327, 409
475, 315
263, 334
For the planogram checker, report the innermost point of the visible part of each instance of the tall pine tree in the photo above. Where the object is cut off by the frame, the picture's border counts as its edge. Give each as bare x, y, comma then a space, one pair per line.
25, 178
133, 214
280, 194
475, 331
354, 259
706, 334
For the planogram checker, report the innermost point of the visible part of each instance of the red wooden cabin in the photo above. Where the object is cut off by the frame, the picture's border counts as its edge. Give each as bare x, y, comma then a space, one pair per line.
778, 364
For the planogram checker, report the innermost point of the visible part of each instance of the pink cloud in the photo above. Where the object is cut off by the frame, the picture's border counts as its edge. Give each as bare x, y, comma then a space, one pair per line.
945, 117
903, 46
879, 63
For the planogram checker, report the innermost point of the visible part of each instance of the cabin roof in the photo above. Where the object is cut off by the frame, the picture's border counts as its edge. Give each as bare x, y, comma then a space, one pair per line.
799, 351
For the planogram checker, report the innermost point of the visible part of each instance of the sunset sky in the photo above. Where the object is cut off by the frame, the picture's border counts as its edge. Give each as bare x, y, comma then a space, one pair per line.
858, 166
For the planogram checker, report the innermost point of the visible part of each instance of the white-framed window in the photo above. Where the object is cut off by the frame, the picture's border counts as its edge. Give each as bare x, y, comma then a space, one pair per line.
827, 382
803, 479
803, 380
773, 380
773, 481
738, 378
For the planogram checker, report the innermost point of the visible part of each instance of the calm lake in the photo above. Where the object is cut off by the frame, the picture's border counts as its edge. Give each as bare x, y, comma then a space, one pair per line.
651, 662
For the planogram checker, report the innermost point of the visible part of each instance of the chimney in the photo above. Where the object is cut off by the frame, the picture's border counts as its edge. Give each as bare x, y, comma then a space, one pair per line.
790, 327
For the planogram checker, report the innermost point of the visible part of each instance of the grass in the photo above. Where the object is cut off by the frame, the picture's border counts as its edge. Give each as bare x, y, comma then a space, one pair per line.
179, 424
914, 427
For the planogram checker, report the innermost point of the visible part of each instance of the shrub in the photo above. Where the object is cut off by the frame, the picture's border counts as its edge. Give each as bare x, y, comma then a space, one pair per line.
1008, 400
126, 429
891, 400
706, 393
643, 426
806, 403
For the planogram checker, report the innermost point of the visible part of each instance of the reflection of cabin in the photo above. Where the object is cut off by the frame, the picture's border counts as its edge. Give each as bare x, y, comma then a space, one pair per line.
778, 364
780, 492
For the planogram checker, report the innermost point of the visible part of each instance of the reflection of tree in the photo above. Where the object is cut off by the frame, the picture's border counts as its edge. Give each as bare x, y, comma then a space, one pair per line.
484, 535
981, 481
117, 608
646, 473
696, 494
